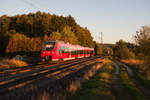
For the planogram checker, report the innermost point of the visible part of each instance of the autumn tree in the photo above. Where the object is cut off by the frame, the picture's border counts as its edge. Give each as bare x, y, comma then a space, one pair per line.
70, 21
21, 44
68, 35
122, 51
142, 38
46, 38
17, 43
41, 25
84, 37
55, 36
98, 49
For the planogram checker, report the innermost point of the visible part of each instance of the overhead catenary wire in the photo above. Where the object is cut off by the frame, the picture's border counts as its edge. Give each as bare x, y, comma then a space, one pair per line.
31, 4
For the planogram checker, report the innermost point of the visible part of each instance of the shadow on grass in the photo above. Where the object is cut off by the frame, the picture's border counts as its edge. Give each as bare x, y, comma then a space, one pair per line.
97, 87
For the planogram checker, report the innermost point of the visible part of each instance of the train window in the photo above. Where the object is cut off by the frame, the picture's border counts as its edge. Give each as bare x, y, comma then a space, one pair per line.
64, 49
73, 52
84, 52
49, 45
78, 51
81, 52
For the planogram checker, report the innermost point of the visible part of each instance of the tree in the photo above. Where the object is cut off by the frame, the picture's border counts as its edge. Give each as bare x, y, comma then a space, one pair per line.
84, 37
17, 43
121, 51
142, 38
69, 36
43, 25
55, 36
98, 49
57, 23
21, 44
70, 21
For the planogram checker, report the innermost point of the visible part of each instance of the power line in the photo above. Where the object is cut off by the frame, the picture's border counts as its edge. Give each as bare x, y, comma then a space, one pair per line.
31, 4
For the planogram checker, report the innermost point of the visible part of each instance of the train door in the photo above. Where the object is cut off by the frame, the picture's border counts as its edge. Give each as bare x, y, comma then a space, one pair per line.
60, 53
66, 53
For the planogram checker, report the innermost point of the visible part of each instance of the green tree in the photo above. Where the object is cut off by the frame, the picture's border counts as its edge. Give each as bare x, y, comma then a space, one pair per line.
68, 35
142, 38
84, 37
70, 21
121, 50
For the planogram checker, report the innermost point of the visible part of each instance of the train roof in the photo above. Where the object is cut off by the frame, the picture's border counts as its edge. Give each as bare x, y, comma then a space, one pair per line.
72, 45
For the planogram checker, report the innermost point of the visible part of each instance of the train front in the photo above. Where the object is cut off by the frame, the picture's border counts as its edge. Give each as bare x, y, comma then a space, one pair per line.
47, 52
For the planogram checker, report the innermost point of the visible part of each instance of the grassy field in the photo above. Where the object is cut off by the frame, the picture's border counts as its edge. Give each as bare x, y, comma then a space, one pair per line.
142, 79
135, 92
141, 71
97, 87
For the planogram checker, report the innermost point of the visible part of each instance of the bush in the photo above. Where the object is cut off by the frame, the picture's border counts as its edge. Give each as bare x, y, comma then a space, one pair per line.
122, 51
98, 49
21, 44
8, 63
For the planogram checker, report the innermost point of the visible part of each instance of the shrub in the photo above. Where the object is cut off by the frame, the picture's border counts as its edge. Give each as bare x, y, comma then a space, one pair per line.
8, 63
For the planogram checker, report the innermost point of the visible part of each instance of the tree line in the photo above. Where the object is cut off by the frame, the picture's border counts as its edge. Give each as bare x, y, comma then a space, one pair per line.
140, 49
24, 34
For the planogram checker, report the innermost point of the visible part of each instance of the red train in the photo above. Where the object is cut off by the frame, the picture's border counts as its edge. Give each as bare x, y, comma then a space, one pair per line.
58, 50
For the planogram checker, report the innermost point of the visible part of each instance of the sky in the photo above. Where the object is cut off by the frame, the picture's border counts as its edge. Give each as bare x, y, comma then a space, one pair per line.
116, 19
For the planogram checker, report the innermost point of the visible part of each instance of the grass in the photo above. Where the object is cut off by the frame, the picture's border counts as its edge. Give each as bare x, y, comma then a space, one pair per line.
133, 61
139, 65
135, 92
9, 63
140, 69
143, 80
96, 87
105, 60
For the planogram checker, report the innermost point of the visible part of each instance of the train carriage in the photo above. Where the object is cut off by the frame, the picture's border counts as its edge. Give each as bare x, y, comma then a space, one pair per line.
59, 50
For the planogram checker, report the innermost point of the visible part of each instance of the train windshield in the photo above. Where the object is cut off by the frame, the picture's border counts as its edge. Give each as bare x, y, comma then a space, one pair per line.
49, 45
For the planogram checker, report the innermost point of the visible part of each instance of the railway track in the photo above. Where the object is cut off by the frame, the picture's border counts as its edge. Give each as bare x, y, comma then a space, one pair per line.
9, 84
17, 70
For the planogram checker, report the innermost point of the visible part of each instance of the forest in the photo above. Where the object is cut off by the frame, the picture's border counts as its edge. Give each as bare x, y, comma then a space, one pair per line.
24, 34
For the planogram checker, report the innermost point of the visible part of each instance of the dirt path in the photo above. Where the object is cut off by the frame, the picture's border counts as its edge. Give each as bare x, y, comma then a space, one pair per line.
118, 89
136, 82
